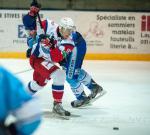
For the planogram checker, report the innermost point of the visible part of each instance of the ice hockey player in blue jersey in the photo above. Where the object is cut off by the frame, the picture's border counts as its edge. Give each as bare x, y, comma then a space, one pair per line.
16, 101
76, 76
29, 21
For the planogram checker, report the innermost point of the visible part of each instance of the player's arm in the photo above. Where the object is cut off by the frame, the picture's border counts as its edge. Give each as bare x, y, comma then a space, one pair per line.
56, 55
29, 20
59, 53
29, 23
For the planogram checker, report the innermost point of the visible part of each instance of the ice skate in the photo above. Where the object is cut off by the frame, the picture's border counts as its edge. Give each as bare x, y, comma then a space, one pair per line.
96, 92
60, 111
80, 103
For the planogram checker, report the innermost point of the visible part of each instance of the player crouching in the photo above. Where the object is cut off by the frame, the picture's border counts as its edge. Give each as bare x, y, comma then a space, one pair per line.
43, 57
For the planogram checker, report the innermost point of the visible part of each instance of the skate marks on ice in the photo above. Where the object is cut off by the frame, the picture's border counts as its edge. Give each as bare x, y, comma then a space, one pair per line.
49, 114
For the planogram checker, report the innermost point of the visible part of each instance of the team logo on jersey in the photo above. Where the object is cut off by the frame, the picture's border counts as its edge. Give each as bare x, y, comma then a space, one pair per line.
21, 32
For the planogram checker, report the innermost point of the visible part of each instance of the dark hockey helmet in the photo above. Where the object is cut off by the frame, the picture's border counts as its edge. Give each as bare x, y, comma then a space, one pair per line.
35, 4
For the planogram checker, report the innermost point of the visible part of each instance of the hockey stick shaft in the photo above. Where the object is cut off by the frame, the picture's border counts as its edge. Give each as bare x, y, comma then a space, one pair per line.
20, 72
39, 18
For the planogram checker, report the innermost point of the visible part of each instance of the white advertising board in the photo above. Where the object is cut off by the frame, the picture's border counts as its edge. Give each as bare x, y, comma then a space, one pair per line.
105, 32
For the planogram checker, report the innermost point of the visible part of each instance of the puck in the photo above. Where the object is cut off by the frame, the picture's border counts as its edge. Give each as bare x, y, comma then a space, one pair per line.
115, 128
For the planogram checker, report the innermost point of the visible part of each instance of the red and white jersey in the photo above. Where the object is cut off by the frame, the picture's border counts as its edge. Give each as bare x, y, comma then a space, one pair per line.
54, 55
40, 50
51, 28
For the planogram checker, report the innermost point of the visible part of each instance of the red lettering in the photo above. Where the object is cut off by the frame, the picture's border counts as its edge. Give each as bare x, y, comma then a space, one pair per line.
148, 23
143, 23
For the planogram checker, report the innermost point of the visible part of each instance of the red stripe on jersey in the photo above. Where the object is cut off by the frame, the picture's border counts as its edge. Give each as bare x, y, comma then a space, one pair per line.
44, 23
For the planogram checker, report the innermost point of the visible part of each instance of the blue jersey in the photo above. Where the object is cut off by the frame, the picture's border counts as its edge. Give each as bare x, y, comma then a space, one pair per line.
15, 100
29, 22
75, 59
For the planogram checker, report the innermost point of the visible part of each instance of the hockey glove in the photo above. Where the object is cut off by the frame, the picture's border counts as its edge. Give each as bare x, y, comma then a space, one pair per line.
63, 64
64, 53
53, 42
42, 36
8, 130
44, 39
28, 52
48, 41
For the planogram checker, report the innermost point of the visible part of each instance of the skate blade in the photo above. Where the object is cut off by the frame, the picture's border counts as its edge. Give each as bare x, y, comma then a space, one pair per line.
67, 117
93, 100
84, 105
50, 114
99, 95
62, 116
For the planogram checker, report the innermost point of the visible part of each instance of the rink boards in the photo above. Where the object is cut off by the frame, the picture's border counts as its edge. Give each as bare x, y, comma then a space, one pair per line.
109, 35
133, 57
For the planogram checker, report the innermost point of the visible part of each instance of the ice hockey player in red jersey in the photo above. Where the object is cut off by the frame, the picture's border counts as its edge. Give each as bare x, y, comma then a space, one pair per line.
45, 53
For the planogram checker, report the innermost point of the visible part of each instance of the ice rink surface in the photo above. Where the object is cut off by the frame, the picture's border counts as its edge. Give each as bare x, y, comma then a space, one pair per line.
126, 104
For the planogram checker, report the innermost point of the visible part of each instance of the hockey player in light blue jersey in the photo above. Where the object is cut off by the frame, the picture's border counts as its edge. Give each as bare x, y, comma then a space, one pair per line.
76, 76
16, 101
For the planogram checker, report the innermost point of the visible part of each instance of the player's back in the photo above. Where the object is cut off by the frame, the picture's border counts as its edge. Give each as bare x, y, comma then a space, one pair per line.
3, 87
29, 22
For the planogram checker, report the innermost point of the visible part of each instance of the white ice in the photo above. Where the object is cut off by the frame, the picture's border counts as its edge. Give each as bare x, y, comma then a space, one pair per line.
126, 104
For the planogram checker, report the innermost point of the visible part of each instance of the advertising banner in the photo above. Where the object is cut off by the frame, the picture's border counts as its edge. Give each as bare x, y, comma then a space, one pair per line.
104, 32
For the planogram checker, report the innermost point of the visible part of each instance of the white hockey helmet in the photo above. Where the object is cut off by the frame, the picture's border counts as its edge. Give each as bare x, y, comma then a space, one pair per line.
67, 23
66, 26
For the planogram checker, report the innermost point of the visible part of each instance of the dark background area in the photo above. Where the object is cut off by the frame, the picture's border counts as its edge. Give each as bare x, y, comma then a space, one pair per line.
95, 5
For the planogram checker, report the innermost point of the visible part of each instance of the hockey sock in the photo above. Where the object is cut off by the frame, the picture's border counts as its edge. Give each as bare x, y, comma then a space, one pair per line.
57, 91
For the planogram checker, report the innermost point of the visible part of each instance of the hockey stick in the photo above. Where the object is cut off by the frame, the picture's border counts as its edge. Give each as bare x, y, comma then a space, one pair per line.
39, 19
20, 72
40, 22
